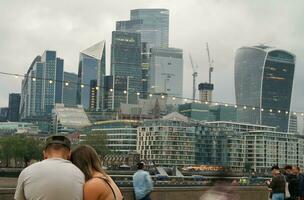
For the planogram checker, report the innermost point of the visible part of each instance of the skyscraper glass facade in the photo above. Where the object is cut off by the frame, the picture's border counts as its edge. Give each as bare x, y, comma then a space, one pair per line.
166, 71
263, 79
126, 66
153, 26
13, 107
92, 63
70, 89
42, 86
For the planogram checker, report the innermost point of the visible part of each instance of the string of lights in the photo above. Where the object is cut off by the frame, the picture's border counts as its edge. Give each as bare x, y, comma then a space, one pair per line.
163, 96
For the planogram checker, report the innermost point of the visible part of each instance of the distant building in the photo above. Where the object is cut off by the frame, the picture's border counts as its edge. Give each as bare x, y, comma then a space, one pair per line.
18, 128
263, 80
205, 92
70, 89
244, 147
156, 106
168, 142
68, 119
293, 124
92, 66
42, 86
207, 112
166, 71
121, 134
153, 26
126, 67
13, 107
3, 114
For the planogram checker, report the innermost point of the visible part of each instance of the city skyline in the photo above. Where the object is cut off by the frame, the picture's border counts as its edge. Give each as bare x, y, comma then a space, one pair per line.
222, 50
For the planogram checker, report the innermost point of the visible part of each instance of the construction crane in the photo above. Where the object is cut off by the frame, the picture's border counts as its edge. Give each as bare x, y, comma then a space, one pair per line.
210, 61
194, 75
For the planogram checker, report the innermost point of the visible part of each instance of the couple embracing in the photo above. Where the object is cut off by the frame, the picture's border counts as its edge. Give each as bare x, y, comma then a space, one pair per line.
66, 175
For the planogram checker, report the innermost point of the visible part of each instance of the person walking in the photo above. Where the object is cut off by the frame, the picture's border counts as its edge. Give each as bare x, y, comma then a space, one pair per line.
277, 184
142, 183
53, 178
293, 182
98, 185
300, 175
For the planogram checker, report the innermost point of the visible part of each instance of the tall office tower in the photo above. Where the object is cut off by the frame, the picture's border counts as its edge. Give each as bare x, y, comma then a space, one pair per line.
92, 66
166, 71
263, 85
53, 77
126, 67
205, 92
3, 114
70, 89
13, 107
42, 86
153, 26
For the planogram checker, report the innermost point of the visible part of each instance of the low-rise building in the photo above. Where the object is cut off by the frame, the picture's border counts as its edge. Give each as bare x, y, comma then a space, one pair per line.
167, 142
69, 119
121, 135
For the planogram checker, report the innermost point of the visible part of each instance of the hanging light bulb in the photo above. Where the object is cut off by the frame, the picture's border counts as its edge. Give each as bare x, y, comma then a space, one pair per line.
125, 92
173, 98
262, 109
50, 81
34, 79
235, 106
82, 85
279, 111
66, 83
150, 95
97, 88
245, 107
270, 110
137, 93
111, 90
226, 105
253, 108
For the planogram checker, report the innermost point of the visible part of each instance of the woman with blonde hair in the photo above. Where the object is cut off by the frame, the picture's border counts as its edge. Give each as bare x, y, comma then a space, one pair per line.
98, 185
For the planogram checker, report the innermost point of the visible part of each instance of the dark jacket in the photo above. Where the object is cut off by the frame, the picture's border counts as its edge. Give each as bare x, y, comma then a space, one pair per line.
293, 185
301, 185
278, 184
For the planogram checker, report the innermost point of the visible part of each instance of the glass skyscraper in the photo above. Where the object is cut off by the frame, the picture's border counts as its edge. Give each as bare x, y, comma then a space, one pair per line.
126, 66
42, 85
166, 71
92, 64
70, 89
13, 107
153, 26
263, 83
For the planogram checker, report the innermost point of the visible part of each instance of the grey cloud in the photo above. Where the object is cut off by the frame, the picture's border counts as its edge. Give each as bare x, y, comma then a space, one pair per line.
29, 27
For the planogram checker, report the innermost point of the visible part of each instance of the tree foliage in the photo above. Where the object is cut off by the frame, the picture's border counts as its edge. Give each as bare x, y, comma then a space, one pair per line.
98, 140
19, 148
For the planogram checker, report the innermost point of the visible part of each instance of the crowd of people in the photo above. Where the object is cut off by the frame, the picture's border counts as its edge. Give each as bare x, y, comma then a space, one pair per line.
74, 174
287, 184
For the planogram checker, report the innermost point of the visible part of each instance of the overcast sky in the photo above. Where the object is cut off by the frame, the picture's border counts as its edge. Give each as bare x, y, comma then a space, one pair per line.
30, 27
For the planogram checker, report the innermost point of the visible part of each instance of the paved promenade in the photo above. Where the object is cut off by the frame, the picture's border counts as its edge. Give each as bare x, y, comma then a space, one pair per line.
7, 188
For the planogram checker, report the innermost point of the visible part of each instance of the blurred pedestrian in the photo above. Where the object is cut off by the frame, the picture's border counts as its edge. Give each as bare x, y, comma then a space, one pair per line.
293, 183
142, 183
277, 184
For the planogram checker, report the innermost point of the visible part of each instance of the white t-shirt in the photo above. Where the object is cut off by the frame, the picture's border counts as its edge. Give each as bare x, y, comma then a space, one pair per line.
50, 179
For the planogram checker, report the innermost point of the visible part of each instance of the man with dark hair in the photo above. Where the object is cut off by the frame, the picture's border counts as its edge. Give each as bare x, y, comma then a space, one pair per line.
277, 184
293, 183
53, 178
142, 183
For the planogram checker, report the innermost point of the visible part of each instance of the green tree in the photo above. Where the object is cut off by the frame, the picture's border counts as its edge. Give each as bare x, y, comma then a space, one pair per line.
20, 148
98, 140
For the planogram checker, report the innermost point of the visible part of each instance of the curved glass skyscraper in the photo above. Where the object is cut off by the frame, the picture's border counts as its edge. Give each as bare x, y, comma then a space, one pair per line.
264, 79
